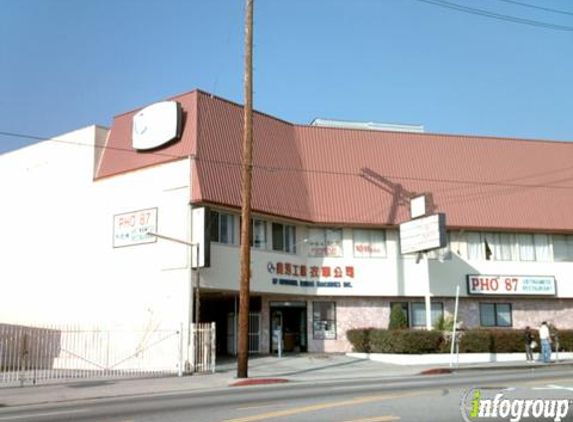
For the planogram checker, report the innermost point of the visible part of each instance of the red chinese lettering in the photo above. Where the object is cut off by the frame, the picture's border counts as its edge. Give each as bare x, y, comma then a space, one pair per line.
350, 272
326, 271
338, 272
288, 268
314, 271
303, 270
280, 268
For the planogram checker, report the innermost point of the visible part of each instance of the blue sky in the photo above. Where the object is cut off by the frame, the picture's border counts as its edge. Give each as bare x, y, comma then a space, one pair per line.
66, 64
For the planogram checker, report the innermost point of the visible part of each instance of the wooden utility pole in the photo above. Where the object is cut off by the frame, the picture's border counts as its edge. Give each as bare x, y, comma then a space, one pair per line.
243, 344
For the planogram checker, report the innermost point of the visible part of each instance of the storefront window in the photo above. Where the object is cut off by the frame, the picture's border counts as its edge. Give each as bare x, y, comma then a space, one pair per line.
495, 314
369, 243
418, 313
324, 320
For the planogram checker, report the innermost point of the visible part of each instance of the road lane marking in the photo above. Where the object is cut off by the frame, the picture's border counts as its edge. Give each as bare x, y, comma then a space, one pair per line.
553, 387
377, 419
260, 406
39, 415
321, 406
127, 420
546, 381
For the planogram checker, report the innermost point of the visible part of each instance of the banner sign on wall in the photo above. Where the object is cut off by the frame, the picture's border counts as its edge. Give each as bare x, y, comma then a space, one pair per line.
131, 228
508, 285
311, 276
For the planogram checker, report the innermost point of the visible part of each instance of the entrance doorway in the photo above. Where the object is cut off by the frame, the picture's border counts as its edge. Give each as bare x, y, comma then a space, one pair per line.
288, 323
223, 310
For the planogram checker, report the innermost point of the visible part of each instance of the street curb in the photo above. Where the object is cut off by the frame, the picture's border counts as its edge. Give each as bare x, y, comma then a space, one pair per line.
536, 365
258, 381
436, 371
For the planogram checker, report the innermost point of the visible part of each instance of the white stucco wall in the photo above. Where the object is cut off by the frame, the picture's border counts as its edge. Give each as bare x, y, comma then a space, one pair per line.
58, 261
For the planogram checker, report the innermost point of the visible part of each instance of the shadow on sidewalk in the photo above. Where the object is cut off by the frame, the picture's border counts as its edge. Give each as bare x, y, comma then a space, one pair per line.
288, 365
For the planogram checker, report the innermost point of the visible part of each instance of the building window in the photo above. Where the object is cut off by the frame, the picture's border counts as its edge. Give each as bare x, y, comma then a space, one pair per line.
508, 246
325, 242
418, 313
404, 307
324, 320
562, 247
526, 247
284, 238
495, 314
369, 243
222, 227
474, 249
258, 234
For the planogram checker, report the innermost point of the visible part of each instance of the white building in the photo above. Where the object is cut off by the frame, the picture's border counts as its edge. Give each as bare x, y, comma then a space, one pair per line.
327, 204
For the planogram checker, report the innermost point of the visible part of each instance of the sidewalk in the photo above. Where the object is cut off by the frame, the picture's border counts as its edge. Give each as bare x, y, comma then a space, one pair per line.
262, 370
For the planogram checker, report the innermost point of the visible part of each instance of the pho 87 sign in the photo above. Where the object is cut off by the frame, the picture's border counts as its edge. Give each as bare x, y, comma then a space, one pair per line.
131, 228
479, 284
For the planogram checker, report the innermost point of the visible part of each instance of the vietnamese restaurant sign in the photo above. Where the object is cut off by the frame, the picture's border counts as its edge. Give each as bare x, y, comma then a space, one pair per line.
479, 284
131, 228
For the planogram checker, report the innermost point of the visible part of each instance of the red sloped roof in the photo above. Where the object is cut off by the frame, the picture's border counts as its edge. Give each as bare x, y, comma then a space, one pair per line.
477, 182
359, 177
119, 156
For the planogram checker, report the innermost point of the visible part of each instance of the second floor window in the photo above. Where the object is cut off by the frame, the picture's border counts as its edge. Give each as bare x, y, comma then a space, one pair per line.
284, 238
258, 234
562, 247
324, 242
508, 246
222, 227
369, 243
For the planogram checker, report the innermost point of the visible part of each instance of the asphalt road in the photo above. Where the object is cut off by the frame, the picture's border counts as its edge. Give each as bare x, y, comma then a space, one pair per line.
412, 399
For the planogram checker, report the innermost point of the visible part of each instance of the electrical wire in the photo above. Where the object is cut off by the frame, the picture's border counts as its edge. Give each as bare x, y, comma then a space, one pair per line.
498, 16
547, 9
104, 147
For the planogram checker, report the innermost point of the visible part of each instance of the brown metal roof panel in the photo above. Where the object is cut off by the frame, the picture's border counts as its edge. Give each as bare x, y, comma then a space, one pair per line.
275, 191
479, 171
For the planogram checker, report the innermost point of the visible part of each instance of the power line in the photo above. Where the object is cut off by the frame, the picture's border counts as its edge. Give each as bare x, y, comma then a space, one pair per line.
103, 147
274, 169
547, 9
498, 16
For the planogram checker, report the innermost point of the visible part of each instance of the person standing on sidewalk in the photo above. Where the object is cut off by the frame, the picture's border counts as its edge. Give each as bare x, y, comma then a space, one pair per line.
529, 344
545, 339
